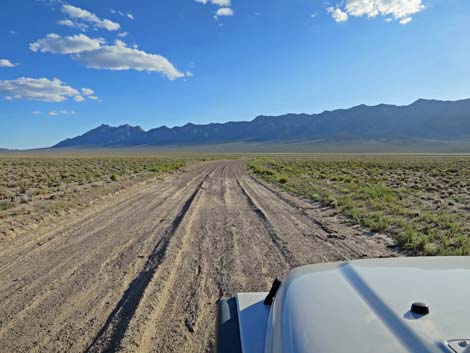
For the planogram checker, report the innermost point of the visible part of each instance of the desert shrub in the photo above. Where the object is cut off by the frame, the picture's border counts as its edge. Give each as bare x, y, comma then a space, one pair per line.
5, 205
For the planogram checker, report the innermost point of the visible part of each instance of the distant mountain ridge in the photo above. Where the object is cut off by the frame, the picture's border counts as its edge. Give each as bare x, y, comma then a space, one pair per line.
423, 119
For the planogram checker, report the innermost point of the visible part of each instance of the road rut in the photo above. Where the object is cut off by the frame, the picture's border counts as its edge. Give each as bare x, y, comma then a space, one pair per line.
145, 273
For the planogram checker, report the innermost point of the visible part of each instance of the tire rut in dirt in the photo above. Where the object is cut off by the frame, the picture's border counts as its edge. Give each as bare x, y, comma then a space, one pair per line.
300, 236
110, 336
280, 244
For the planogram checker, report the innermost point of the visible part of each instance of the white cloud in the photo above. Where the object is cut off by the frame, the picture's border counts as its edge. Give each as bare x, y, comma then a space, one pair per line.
224, 11
128, 15
87, 91
401, 10
62, 112
78, 99
221, 3
119, 43
122, 34
53, 43
79, 14
338, 14
41, 89
71, 24
406, 20
120, 57
36, 112
68, 23
224, 7
94, 54
7, 63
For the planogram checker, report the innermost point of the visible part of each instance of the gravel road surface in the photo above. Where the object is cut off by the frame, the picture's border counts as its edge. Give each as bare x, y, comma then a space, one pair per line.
144, 272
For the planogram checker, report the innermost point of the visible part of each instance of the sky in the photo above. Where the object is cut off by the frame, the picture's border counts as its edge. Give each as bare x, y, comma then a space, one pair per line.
69, 66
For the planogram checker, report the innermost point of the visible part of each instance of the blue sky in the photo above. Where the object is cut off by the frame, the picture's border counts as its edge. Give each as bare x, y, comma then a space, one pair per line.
68, 66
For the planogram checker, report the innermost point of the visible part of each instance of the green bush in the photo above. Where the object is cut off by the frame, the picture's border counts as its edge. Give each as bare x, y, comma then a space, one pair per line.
5, 205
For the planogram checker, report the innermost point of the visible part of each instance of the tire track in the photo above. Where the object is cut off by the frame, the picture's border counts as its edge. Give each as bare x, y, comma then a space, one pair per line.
288, 257
297, 231
110, 335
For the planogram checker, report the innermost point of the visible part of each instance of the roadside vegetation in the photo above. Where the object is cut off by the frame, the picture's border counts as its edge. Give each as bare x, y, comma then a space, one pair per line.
33, 188
422, 202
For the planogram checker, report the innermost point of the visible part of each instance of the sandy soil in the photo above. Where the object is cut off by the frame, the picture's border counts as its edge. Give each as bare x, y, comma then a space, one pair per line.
144, 272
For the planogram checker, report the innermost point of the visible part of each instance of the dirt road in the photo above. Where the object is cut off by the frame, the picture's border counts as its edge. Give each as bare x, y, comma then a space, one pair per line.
144, 272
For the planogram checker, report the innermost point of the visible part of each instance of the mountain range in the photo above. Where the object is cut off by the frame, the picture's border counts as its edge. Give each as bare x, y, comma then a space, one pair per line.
424, 122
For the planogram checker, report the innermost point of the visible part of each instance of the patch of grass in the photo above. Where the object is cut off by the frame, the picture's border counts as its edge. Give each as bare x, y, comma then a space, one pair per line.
5, 205
377, 192
376, 222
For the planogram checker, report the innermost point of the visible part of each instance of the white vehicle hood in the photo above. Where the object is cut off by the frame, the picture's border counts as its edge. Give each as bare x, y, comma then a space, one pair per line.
364, 306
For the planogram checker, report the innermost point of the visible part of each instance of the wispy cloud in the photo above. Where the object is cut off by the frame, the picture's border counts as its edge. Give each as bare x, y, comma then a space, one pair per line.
215, 2
94, 53
123, 14
7, 63
223, 3
41, 89
338, 14
71, 24
53, 43
81, 16
78, 99
121, 57
87, 91
224, 7
400, 10
224, 11
62, 112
